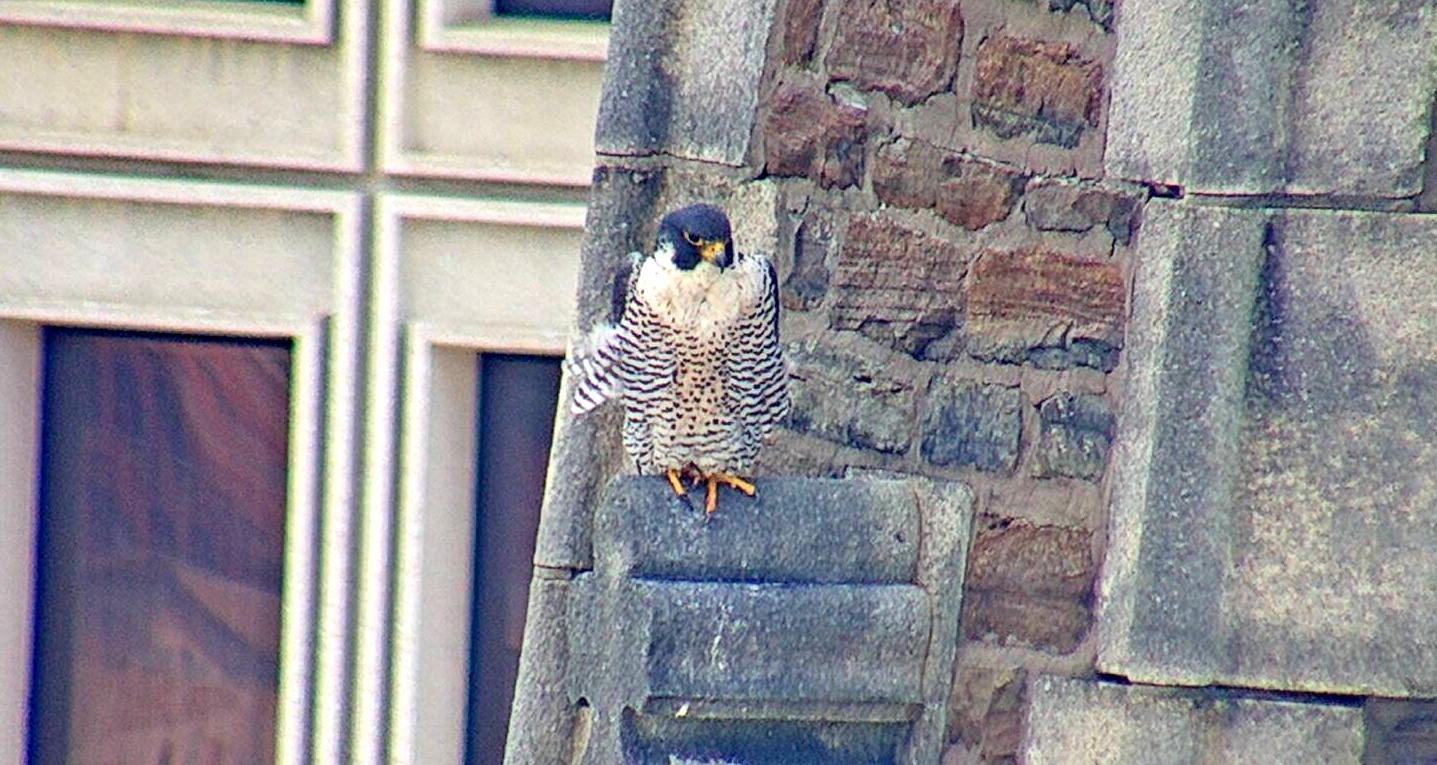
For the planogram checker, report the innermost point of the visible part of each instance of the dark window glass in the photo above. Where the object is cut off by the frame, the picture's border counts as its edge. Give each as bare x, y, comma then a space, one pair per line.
517, 398
592, 10
161, 545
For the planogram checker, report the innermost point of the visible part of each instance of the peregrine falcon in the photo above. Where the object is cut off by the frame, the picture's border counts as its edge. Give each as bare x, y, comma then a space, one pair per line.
694, 358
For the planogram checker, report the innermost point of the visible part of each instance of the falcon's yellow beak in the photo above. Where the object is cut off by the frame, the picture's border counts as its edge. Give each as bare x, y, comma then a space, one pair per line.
712, 252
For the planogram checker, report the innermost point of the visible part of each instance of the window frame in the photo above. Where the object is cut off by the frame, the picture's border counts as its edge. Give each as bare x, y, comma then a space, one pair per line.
322, 397
310, 23
470, 26
421, 470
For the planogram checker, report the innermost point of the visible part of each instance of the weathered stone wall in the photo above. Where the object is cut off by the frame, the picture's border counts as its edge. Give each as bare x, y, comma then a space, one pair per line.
955, 271
1030, 245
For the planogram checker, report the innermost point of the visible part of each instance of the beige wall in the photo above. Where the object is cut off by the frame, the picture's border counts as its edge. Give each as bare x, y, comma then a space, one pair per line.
333, 173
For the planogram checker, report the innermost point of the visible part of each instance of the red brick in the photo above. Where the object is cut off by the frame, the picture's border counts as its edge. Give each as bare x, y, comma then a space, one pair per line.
1055, 625
1043, 89
908, 50
807, 133
1017, 556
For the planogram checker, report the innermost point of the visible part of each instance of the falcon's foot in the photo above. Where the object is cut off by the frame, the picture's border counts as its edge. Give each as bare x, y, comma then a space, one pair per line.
677, 484
714, 479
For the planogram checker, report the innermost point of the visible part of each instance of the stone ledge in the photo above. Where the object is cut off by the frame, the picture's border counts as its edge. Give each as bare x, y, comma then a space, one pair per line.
1073, 722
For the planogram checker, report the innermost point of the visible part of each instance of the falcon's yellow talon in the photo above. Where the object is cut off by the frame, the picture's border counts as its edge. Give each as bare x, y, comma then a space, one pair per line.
674, 482
736, 482
711, 503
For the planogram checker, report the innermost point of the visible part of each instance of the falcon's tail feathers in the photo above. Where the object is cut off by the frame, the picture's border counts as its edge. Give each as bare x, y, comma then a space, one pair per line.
595, 368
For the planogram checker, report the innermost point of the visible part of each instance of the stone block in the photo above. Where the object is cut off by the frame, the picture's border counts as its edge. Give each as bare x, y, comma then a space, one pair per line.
809, 134
1074, 434
897, 285
1082, 722
1241, 97
1043, 89
1281, 540
800, 19
907, 50
683, 79
968, 424
1077, 208
975, 193
1045, 308
965, 191
849, 400
988, 704
1029, 584
1100, 11
734, 637
804, 278
1054, 625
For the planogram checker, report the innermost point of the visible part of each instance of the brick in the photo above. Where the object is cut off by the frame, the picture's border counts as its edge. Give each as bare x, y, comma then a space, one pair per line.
899, 286
1043, 89
846, 399
1079, 208
1074, 435
908, 50
809, 134
1046, 308
967, 424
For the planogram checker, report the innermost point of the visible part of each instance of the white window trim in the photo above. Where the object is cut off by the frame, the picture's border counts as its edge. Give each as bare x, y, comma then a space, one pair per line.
323, 390
441, 29
312, 23
469, 26
429, 479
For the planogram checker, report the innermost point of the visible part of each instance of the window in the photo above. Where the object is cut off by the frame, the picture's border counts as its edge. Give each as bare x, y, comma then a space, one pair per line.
161, 548
589, 10
517, 398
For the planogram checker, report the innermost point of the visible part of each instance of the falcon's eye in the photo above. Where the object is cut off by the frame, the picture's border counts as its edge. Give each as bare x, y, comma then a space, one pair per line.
693, 240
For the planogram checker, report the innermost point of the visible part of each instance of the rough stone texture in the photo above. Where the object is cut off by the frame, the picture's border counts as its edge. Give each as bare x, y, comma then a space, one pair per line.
1077, 722
800, 30
807, 133
1046, 308
1029, 585
969, 424
1100, 11
964, 191
804, 279
988, 704
1400, 732
1215, 97
976, 194
908, 50
695, 67
1074, 434
739, 623
1282, 539
1072, 207
1033, 87
897, 285
849, 400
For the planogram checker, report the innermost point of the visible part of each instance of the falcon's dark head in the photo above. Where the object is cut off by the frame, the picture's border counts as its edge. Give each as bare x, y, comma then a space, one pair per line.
696, 234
